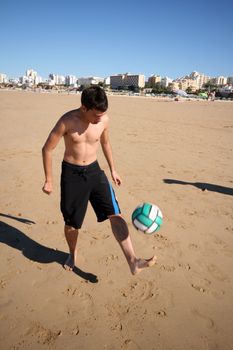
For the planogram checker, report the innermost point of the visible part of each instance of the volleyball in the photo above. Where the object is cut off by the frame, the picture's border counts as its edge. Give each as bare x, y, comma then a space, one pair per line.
147, 218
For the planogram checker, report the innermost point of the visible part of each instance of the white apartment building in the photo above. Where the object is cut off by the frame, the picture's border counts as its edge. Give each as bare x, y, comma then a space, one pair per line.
107, 81
71, 80
125, 80
55, 79
90, 81
166, 81
38, 80
220, 80
23, 79
30, 73
3, 78
31, 78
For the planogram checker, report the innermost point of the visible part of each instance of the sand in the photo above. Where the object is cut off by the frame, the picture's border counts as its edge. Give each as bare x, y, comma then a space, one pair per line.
177, 155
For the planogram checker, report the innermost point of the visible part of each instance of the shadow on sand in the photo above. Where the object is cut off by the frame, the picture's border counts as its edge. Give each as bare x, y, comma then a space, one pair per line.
202, 186
34, 251
24, 221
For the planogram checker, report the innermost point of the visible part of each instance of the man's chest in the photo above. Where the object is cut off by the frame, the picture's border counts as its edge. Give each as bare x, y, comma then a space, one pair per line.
91, 135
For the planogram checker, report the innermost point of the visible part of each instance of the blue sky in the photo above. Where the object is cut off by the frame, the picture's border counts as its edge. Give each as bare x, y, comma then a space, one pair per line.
100, 38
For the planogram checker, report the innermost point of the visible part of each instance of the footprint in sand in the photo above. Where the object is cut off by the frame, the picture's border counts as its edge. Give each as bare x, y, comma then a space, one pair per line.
43, 335
132, 134
193, 246
140, 290
108, 259
204, 286
198, 288
163, 240
70, 291
218, 246
2, 284
100, 236
218, 294
219, 242
116, 326
167, 268
85, 301
207, 321
201, 285
75, 330
185, 266
129, 344
161, 313
117, 310
216, 273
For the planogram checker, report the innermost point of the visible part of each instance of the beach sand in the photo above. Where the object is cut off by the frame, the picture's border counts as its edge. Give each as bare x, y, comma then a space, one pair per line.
177, 155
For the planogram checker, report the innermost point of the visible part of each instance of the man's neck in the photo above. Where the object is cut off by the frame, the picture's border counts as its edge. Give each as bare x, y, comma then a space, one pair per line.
81, 115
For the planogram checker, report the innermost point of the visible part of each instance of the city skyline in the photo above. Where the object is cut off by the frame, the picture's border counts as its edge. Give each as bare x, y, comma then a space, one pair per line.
102, 40
105, 76
191, 83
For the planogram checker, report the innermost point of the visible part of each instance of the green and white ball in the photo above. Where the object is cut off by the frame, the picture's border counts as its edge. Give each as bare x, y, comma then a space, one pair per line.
147, 218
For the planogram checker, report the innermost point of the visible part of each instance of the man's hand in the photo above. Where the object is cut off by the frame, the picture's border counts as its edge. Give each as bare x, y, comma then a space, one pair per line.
116, 178
48, 187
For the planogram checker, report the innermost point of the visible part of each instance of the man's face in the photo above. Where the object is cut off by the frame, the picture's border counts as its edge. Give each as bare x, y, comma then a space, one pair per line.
94, 116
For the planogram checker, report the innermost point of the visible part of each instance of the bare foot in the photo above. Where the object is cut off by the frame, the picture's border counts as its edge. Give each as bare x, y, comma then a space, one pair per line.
69, 263
141, 264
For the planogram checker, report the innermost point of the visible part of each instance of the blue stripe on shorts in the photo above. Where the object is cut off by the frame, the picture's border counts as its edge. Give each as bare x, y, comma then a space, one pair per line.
114, 201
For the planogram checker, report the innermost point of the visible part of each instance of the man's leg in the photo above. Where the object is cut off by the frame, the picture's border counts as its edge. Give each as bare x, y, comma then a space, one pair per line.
71, 235
121, 233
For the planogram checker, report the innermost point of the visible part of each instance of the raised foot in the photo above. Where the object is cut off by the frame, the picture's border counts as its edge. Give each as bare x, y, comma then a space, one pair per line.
69, 263
141, 264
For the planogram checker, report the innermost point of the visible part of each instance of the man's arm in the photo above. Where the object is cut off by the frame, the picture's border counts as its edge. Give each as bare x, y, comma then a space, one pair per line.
52, 141
106, 147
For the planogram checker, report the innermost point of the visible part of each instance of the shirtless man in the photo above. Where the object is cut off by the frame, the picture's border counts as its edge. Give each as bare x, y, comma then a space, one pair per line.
82, 180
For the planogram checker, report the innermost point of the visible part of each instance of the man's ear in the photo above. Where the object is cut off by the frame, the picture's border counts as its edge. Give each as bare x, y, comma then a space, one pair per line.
83, 108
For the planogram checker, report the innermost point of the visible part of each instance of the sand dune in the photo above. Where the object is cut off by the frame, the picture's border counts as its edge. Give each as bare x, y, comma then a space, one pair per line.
177, 155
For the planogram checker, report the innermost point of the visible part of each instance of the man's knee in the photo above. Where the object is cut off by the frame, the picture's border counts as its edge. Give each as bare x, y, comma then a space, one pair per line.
69, 228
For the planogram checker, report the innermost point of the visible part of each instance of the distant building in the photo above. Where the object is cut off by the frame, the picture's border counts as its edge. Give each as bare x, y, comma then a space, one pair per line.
38, 80
153, 80
31, 78
126, 80
24, 79
166, 81
90, 81
192, 84
55, 79
199, 78
221, 80
230, 80
3, 78
107, 81
71, 80
117, 81
137, 80
30, 73
174, 85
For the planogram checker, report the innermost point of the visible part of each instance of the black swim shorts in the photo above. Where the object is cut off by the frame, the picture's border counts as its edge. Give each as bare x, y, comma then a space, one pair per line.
80, 184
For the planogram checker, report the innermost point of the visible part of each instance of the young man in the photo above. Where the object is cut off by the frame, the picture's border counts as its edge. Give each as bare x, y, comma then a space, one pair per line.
82, 180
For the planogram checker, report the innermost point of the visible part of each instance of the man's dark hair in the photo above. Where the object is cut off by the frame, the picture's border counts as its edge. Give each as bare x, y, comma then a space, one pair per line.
94, 97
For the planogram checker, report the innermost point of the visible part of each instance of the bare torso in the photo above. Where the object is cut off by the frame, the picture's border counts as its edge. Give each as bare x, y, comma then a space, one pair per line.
82, 139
